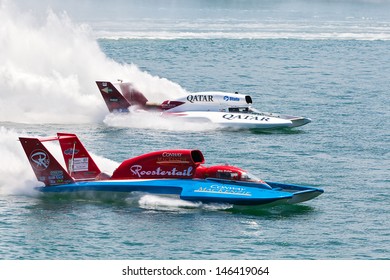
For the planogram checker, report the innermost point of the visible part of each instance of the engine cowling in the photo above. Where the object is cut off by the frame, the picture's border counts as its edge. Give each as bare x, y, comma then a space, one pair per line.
160, 164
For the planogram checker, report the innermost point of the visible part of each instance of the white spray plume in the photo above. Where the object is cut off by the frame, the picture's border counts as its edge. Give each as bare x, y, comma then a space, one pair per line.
16, 174
49, 67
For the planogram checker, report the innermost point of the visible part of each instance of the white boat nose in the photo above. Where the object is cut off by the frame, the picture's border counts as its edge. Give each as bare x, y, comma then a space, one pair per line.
300, 121
284, 123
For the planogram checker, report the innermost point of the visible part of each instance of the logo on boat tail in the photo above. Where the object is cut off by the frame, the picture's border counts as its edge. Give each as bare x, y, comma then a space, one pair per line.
39, 160
245, 117
137, 170
200, 98
106, 89
71, 151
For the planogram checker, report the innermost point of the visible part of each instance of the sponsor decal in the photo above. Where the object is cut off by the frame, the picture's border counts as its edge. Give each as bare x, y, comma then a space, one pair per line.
172, 158
138, 171
40, 160
56, 177
200, 98
230, 98
221, 189
245, 117
168, 154
78, 164
121, 110
71, 151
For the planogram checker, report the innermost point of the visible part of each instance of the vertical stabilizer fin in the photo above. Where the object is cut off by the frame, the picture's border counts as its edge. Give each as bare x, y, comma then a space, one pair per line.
46, 168
78, 161
115, 101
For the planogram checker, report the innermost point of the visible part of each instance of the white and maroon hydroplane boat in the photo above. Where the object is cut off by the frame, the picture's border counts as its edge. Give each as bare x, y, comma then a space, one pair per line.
224, 109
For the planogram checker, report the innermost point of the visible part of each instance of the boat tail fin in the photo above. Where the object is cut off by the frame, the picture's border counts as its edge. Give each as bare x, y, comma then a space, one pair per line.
115, 101
46, 168
78, 161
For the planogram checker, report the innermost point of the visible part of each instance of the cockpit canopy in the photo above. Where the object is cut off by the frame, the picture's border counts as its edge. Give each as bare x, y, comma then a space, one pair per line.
226, 172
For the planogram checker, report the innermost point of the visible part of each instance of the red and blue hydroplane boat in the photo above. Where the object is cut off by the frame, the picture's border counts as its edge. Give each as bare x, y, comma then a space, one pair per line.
168, 172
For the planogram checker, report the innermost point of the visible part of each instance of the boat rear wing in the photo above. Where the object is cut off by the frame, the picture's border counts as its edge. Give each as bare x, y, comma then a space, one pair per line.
79, 164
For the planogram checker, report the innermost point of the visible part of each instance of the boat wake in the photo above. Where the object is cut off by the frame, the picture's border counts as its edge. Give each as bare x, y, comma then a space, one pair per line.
16, 175
150, 120
171, 203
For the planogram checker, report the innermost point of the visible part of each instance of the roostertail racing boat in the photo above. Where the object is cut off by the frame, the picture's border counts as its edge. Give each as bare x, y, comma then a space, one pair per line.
173, 172
224, 109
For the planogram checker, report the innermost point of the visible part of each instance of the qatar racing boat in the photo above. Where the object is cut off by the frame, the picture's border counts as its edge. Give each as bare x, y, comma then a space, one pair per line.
221, 108
173, 172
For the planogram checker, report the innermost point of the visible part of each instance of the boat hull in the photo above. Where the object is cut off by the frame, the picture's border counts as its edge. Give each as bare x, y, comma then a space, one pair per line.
205, 191
235, 120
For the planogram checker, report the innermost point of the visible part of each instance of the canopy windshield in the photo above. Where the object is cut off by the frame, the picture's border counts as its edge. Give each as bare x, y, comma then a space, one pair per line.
248, 177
